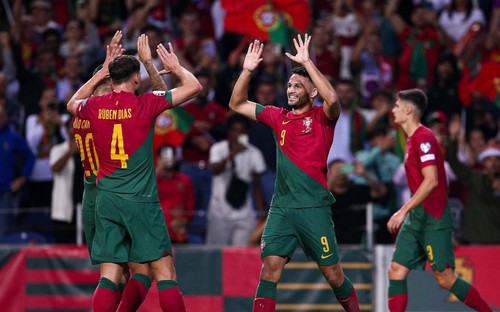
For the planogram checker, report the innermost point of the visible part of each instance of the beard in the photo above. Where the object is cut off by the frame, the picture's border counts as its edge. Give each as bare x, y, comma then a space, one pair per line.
299, 103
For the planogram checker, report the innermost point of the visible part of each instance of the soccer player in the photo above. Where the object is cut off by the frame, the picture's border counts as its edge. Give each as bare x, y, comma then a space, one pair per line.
129, 221
137, 287
424, 221
300, 209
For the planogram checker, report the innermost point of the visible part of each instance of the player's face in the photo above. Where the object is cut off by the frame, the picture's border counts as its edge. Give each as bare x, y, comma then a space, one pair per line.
400, 111
298, 91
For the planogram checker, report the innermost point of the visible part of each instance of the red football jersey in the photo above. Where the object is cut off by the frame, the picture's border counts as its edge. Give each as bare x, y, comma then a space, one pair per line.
85, 141
422, 150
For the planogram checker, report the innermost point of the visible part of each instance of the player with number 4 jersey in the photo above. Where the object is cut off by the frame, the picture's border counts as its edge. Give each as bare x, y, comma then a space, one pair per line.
129, 221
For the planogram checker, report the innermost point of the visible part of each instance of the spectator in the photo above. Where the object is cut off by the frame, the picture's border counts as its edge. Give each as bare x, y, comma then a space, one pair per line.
35, 82
188, 42
326, 52
80, 40
137, 19
41, 10
236, 164
457, 19
420, 46
481, 215
208, 117
379, 112
443, 91
381, 163
375, 72
351, 122
67, 173
471, 147
347, 28
14, 153
176, 194
10, 104
349, 209
72, 81
261, 136
43, 131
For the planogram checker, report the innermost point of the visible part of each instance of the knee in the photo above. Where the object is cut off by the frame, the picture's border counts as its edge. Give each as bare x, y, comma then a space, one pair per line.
445, 281
271, 271
333, 275
397, 272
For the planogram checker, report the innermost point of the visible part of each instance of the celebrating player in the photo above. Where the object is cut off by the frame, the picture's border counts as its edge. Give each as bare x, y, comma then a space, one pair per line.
300, 209
129, 221
424, 221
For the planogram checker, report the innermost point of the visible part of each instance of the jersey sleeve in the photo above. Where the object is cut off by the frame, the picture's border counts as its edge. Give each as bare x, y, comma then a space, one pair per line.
268, 115
426, 147
83, 109
157, 101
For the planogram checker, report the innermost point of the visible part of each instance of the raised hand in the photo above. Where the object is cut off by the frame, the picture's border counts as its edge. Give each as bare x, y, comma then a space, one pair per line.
111, 53
117, 37
302, 47
143, 49
168, 58
253, 57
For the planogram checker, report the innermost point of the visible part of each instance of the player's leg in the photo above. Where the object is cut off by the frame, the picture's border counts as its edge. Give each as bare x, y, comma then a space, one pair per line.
270, 273
277, 245
137, 287
316, 231
104, 298
168, 288
408, 255
442, 259
398, 289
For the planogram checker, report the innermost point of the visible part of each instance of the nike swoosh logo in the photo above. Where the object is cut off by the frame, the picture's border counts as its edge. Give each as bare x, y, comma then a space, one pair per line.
285, 122
326, 256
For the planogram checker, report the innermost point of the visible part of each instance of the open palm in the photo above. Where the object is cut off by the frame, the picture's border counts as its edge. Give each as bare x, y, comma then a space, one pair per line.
302, 47
253, 57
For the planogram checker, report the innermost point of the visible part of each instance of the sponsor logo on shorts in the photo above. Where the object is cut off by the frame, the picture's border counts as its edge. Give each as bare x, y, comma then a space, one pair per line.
262, 244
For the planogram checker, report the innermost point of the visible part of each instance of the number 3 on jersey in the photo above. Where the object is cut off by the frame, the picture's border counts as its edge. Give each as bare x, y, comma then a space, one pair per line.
117, 142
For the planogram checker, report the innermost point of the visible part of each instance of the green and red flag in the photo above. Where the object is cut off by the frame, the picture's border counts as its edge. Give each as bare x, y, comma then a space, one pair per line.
268, 20
172, 127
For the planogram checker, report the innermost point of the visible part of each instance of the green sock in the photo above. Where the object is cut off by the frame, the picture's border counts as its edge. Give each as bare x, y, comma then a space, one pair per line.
143, 279
266, 289
397, 287
106, 283
460, 289
166, 284
121, 287
345, 290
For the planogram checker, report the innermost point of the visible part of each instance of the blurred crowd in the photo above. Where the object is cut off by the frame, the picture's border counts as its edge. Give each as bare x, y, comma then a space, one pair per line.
369, 49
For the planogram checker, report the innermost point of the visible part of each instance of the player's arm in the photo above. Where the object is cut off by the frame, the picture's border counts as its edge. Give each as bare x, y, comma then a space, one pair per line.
331, 105
189, 85
239, 97
144, 53
88, 88
425, 189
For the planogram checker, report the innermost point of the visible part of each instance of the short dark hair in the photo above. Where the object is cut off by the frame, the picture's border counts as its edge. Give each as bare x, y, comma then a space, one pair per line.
301, 71
123, 67
415, 96
379, 130
98, 68
153, 28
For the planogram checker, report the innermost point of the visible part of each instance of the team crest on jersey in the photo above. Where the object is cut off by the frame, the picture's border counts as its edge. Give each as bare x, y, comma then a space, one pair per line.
425, 147
307, 122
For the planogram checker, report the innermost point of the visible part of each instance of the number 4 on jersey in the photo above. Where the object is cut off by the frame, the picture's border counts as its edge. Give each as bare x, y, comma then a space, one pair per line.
117, 139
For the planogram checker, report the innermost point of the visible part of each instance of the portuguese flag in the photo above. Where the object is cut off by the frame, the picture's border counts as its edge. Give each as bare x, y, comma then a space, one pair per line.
172, 127
268, 20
